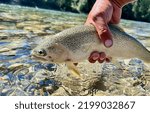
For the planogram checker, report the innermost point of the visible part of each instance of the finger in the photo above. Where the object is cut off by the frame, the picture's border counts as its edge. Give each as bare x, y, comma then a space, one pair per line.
103, 32
106, 37
102, 57
116, 15
94, 56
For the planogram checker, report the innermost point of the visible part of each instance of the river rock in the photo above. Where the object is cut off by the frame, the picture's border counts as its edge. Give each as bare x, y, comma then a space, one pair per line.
2, 27
18, 92
21, 25
17, 66
7, 17
4, 50
7, 91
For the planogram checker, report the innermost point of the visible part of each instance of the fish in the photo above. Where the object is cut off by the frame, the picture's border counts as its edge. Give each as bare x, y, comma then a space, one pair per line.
75, 45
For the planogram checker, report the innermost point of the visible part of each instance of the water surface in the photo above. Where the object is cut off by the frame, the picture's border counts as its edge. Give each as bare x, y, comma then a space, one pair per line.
22, 28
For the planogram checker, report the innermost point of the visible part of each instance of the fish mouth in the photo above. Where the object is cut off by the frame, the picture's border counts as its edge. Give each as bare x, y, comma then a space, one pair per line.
40, 59
34, 57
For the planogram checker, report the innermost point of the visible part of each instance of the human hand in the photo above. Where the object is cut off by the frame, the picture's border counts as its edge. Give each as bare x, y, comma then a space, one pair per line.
102, 13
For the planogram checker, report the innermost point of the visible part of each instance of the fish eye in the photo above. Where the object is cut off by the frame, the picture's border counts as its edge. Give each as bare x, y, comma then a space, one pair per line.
42, 52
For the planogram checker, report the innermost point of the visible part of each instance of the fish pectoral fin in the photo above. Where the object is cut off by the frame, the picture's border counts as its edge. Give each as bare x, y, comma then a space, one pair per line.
73, 69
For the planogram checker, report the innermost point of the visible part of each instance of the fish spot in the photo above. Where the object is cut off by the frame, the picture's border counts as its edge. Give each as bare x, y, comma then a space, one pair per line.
49, 57
68, 59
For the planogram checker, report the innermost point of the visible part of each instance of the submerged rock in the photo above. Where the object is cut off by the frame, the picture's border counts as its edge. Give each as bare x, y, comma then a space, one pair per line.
7, 17
2, 27
18, 92
7, 92
4, 50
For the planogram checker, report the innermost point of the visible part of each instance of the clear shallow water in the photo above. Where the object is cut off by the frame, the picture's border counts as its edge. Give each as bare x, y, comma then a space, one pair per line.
22, 28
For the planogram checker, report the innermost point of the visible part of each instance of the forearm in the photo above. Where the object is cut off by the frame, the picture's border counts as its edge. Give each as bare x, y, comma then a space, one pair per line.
121, 3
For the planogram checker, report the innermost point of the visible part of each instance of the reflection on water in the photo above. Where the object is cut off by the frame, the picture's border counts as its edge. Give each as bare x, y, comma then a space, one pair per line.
21, 29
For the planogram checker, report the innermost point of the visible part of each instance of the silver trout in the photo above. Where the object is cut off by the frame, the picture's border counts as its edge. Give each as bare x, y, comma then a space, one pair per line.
75, 44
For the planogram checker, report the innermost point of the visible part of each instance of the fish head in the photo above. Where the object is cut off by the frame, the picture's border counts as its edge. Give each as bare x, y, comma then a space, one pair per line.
50, 53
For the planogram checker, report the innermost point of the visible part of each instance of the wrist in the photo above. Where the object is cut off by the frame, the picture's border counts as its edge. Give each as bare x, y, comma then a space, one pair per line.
121, 3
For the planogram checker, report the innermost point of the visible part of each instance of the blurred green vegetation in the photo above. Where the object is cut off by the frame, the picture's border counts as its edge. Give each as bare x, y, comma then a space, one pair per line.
139, 10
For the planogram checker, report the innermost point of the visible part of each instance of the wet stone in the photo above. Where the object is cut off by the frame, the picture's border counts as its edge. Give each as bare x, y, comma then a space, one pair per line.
50, 67
4, 50
102, 93
12, 33
7, 17
42, 75
17, 66
147, 86
43, 81
21, 71
7, 92
26, 23
4, 79
135, 62
2, 27
18, 92
30, 89
4, 36
3, 67
136, 67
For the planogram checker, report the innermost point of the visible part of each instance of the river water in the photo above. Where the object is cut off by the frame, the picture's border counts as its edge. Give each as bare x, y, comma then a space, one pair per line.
21, 29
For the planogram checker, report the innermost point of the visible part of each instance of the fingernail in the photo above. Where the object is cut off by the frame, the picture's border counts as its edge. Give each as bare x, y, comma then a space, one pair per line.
102, 56
108, 43
95, 56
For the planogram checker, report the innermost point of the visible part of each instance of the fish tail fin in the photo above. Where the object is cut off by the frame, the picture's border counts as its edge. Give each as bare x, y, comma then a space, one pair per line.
73, 69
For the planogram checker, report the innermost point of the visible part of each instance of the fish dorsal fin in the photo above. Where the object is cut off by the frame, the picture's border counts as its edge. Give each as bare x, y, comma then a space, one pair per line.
73, 69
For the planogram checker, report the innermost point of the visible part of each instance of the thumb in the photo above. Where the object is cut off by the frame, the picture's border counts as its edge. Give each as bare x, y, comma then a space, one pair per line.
104, 33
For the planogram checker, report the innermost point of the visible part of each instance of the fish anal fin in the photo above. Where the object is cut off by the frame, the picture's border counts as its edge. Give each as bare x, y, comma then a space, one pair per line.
73, 69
